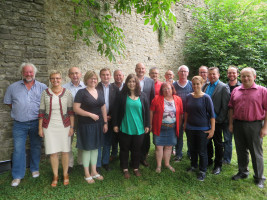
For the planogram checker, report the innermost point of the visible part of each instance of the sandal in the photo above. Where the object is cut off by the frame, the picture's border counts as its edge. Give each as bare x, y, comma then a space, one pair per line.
98, 177
54, 182
158, 170
126, 174
66, 180
170, 168
89, 179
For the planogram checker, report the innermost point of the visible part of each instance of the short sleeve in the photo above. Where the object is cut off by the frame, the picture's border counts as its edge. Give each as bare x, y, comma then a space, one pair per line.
8, 96
210, 107
79, 96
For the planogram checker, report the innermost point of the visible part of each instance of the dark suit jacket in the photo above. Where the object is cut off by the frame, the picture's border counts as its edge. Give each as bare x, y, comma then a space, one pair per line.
149, 89
113, 95
220, 99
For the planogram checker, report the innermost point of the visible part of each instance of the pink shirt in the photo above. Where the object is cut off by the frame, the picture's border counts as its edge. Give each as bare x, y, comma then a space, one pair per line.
157, 87
249, 104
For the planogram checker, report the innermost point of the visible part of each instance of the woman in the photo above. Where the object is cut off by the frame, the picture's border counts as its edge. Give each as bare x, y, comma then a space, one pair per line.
165, 116
89, 105
131, 121
200, 123
56, 121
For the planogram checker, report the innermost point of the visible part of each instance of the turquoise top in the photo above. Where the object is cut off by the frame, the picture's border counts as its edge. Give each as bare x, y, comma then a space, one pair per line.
132, 122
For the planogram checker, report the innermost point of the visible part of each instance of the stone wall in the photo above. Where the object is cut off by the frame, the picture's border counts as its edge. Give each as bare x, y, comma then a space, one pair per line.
39, 31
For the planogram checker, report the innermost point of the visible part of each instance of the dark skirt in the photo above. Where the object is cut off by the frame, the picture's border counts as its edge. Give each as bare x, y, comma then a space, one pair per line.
90, 136
167, 137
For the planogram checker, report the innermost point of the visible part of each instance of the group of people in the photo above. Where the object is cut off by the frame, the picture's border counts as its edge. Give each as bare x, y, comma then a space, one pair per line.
105, 114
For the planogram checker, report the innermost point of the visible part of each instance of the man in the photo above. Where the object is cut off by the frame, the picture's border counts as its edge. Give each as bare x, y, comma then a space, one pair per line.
110, 92
183, 87
154, 74
232, 74
220, 95
118, 82
118, 78
23, 97
147, 86
203, 72
248, 122
169, 76
74, 85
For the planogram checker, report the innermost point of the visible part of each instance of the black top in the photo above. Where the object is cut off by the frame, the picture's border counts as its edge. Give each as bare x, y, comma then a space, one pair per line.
120, 109
90, 104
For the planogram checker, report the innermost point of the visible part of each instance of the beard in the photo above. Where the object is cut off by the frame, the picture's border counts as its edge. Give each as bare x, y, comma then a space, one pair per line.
28, 80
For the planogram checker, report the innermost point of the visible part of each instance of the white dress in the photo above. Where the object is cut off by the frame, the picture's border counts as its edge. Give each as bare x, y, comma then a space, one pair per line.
56, 137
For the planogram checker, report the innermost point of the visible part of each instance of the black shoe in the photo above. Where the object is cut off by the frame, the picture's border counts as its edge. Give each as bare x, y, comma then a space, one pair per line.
260, 183
106, 167
216, 170
98, 169
145, 163
201, 176
70, 170
191, 169
239, 175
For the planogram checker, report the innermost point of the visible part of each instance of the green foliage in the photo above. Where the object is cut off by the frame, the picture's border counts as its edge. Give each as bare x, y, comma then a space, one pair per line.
98, 21
229, 32
99, 25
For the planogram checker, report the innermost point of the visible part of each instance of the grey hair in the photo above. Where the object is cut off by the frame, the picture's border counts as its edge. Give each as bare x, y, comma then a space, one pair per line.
250, 69
27, 64
184, 67
203, 66
118, 70
153, 68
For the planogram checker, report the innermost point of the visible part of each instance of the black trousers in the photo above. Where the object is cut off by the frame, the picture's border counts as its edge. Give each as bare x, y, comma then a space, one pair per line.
145, 146
130, 143
218, 144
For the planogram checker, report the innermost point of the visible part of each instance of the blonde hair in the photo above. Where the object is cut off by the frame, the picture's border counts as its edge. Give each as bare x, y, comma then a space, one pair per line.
89, 75
55, 72
198, 78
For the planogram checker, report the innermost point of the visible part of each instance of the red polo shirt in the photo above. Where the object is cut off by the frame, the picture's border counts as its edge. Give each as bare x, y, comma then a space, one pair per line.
157, 87
249, 104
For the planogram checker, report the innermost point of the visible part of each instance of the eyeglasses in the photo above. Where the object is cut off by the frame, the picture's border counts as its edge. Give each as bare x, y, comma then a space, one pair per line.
203, 72
183, 71
55, 79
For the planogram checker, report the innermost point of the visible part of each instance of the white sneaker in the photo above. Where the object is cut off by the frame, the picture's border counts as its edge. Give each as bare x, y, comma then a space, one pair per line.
15, 182
35, 174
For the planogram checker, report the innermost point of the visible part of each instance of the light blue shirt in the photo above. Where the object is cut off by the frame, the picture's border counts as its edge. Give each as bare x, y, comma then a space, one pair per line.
74, 89
106, 95
25, 103
210, 89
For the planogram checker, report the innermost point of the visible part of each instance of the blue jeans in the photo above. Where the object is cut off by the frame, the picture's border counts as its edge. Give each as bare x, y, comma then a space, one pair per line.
20, 132
198, 141
227, 144
103, 157
180, 143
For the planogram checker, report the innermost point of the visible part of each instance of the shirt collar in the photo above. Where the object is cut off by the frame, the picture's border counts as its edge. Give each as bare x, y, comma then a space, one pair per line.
254, 86
214, 84
105, 85
80, 85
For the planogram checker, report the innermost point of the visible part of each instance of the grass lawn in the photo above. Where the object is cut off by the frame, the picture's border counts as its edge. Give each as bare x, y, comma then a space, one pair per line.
167, 185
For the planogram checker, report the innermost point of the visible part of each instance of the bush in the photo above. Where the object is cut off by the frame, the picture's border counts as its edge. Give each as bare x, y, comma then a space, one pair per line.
229, 32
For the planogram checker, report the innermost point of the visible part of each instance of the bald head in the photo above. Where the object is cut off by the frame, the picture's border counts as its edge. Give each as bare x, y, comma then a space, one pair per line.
140, 70
75, 75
